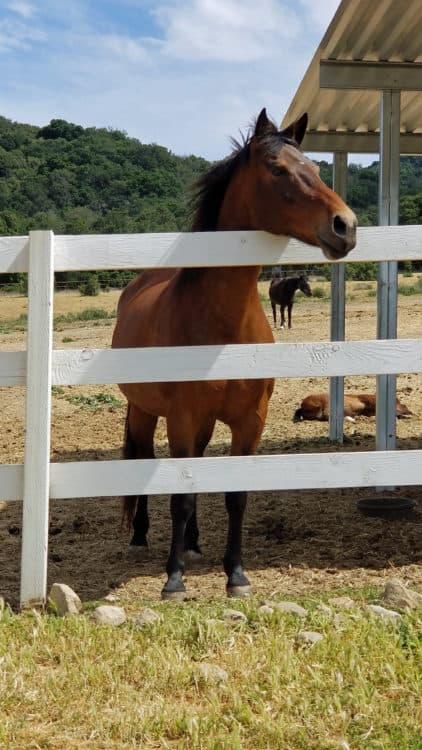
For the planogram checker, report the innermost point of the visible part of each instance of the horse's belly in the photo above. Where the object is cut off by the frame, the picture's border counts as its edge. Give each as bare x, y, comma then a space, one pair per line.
203, 399
243, 397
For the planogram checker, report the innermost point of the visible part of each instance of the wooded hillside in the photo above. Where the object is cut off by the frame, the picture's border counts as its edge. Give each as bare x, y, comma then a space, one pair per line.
80, 180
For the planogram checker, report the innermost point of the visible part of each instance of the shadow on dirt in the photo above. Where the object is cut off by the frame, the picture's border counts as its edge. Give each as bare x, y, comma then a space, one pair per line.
319, 530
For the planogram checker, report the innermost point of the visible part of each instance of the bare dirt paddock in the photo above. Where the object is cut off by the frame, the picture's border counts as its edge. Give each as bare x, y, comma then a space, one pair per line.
295, 542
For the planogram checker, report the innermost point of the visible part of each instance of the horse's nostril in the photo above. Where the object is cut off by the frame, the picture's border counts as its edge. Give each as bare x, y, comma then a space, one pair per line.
339, 226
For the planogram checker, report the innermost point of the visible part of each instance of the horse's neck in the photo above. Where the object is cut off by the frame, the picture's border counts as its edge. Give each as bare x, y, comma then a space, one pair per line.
233, 291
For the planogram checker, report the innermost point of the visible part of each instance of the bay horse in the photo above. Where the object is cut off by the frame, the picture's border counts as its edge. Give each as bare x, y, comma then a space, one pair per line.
266, 183
317, 406
282, 292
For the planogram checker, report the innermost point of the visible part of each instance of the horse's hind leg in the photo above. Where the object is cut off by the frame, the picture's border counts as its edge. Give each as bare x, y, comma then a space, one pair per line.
274, 308
283, 320
192, 548
139, 443
289, 315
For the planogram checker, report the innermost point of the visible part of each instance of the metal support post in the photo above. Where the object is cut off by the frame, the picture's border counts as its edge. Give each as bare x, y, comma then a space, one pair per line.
338, 294
387, 271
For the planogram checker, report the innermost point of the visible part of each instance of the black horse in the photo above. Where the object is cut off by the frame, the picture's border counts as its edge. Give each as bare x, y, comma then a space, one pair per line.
282, 292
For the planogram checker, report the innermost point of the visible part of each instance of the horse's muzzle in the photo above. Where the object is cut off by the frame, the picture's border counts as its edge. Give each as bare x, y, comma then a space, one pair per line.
339, 237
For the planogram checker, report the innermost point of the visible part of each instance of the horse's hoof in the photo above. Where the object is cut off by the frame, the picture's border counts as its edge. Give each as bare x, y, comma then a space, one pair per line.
238, 591
173, 596
137, 552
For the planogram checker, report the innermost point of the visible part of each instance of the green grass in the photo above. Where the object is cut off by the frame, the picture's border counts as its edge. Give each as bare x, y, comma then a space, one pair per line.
93, 401
69, 683
91, 313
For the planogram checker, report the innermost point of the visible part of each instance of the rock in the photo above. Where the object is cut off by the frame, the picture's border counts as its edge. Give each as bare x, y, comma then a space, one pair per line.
106, 614
265, 609
289, 608
212, 673
308, 637
235, 615
342, 602
324, 609
388, 615
111, 598
147, 617
396, 595
64, 599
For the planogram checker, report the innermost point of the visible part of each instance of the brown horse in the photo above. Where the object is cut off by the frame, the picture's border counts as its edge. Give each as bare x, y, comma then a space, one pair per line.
267, 184
317, 406
282, 292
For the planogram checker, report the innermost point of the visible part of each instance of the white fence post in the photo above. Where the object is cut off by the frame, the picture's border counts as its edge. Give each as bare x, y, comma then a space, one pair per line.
35, 517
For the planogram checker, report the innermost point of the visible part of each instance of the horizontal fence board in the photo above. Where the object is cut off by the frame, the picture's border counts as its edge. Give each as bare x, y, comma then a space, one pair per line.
12, 368
244, 361
14, 254
225, 249
224, 473
102, 252
233, 473
11, 482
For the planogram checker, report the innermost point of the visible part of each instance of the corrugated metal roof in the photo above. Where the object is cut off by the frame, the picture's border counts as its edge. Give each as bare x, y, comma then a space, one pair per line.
363, 30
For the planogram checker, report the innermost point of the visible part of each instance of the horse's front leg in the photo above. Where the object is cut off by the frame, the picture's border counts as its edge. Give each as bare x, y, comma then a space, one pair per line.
237, 582
188, 434
283, 320
245, 438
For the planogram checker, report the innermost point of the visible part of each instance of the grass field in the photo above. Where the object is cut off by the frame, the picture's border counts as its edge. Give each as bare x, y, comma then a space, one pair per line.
71, 684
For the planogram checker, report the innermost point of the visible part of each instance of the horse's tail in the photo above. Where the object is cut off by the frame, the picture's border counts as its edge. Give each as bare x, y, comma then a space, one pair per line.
129, 451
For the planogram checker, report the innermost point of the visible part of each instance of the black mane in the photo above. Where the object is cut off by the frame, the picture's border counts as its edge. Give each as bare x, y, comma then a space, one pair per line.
209, 190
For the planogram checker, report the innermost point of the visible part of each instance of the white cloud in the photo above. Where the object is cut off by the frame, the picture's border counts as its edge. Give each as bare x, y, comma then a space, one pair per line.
18, 35
226, 30
189, 81
26, 10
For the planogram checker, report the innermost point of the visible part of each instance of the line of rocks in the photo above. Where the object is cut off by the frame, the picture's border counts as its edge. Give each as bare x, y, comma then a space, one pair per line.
395, 599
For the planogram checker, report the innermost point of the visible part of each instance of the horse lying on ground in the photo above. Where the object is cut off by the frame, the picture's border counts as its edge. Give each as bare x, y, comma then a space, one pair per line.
317, 406
282, 292
266, 184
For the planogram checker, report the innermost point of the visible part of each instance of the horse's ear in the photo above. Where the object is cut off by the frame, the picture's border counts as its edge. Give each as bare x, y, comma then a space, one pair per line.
264, 126
296, 131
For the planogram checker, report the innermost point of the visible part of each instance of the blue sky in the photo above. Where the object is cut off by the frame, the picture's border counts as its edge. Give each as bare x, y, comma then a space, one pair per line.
186, 74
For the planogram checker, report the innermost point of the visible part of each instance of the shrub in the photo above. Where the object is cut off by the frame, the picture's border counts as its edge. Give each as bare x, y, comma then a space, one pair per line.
90, 288
319, 292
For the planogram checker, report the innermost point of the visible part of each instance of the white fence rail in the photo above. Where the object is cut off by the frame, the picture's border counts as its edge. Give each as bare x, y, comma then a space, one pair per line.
41, 367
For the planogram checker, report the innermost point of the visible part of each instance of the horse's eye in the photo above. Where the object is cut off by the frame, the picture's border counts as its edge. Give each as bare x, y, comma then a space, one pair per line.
278, 170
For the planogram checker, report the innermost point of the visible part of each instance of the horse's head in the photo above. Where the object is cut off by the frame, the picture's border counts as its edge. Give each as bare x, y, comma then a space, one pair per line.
286, 195
304, 285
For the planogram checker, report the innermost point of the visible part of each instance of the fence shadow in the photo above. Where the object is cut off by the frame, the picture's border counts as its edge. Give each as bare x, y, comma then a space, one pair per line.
312, 530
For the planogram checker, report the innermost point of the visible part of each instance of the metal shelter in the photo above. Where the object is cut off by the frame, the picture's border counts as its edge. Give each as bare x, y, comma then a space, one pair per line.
362, 91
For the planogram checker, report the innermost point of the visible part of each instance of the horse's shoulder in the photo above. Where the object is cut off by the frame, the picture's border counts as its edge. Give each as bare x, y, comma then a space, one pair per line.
144, 281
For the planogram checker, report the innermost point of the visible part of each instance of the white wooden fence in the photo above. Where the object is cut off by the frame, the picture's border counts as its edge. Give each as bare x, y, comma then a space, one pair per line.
40, 367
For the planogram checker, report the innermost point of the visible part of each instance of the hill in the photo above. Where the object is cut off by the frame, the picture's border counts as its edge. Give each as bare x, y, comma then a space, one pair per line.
96, 180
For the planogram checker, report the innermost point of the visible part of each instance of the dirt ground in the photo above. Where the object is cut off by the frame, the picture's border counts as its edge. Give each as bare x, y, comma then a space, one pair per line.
295, 542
